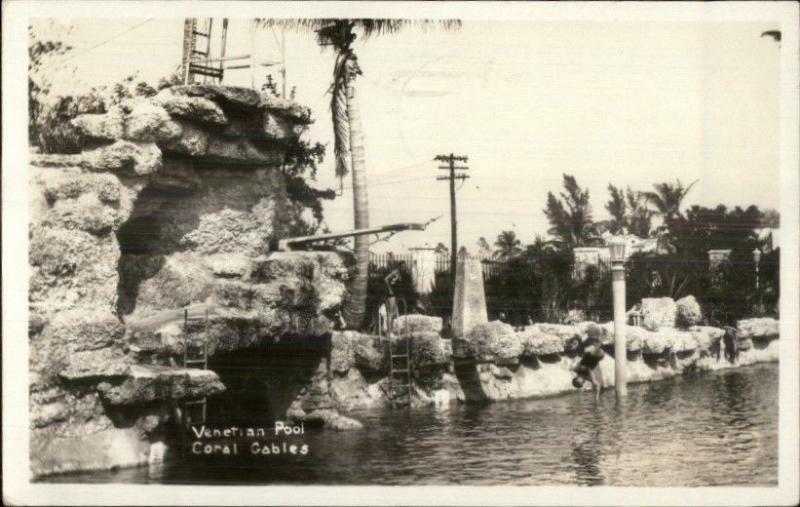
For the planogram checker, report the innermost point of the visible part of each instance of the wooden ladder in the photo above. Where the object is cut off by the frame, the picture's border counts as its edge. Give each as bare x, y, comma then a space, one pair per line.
400, 380
197, 407
199, 62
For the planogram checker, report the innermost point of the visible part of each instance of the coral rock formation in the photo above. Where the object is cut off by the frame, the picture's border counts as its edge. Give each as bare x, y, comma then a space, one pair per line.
173, 202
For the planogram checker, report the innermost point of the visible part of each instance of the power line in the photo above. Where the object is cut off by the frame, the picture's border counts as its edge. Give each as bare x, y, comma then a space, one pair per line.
134, 27
392, 181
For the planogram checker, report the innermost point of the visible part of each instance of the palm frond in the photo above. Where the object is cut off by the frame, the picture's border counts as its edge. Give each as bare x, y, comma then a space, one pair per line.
294, 24
372, 27
368, 26
686, 190
655, 199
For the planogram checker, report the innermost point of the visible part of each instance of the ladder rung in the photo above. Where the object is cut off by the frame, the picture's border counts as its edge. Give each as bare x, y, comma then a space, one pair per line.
195, 361
205, 71
201, 34
399, 355
195, 402
399, 371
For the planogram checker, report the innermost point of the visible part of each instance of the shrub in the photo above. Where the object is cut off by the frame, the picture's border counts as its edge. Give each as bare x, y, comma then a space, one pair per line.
688, 312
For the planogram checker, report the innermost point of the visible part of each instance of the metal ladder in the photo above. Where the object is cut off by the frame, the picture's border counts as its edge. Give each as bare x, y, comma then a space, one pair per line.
400, 380
192, 407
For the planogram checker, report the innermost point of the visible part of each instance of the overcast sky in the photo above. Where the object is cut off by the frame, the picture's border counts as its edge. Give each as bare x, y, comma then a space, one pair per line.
627, 103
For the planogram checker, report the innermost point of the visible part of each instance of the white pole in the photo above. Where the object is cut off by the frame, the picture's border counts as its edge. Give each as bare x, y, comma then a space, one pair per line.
620, 351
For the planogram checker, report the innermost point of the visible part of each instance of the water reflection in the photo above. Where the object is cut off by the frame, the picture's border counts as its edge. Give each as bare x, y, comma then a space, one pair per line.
586, 453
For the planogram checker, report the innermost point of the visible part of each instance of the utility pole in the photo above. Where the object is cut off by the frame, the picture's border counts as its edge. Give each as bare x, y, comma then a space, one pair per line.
452, 177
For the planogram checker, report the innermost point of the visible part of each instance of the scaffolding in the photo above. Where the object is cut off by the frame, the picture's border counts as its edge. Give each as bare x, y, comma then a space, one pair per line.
207, 63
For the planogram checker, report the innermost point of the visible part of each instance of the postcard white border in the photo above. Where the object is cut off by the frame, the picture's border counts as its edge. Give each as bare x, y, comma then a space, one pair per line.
17, 489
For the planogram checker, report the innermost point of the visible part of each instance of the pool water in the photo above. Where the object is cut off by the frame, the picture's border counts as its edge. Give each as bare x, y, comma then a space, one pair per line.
705, 428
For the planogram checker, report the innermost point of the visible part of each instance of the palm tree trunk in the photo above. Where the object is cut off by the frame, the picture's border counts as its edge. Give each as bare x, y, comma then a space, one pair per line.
355, 305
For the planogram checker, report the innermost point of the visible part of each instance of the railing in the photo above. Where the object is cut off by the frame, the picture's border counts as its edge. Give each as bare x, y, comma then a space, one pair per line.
404, 262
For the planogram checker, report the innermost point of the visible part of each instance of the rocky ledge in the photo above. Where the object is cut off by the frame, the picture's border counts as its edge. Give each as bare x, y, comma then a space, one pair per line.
497, 362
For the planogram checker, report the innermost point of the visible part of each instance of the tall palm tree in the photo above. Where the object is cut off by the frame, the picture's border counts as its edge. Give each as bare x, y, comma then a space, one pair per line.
668, 198
508, 246
348, 135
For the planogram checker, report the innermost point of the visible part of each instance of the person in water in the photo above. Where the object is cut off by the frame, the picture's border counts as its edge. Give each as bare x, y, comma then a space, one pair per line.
588, 367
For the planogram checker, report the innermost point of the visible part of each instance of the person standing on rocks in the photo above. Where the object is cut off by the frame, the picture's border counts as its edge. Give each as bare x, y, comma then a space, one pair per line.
388, 310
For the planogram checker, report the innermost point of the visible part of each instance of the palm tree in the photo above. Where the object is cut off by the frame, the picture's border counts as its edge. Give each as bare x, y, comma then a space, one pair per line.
668, 198
348, 135
639, 214
571, 216
508, 246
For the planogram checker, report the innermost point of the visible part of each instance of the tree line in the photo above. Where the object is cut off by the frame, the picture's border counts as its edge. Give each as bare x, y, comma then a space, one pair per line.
537, 281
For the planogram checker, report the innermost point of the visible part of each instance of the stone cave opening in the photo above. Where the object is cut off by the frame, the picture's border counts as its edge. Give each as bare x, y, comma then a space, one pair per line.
262, 383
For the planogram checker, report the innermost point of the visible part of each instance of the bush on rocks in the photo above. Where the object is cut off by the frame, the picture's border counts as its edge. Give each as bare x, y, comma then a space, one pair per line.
427, 350
492, 341
688, 312
537, 343
658, 313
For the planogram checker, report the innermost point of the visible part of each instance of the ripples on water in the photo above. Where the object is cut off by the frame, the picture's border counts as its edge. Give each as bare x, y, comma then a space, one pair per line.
696, 430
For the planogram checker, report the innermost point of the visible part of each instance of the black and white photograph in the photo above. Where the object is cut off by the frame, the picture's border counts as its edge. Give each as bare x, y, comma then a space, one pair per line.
482, 247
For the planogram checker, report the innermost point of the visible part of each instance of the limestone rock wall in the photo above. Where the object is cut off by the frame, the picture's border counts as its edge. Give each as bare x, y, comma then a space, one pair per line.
173, 202
496, 362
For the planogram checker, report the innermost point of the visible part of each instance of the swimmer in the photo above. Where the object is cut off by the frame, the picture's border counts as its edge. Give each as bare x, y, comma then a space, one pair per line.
588, 367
